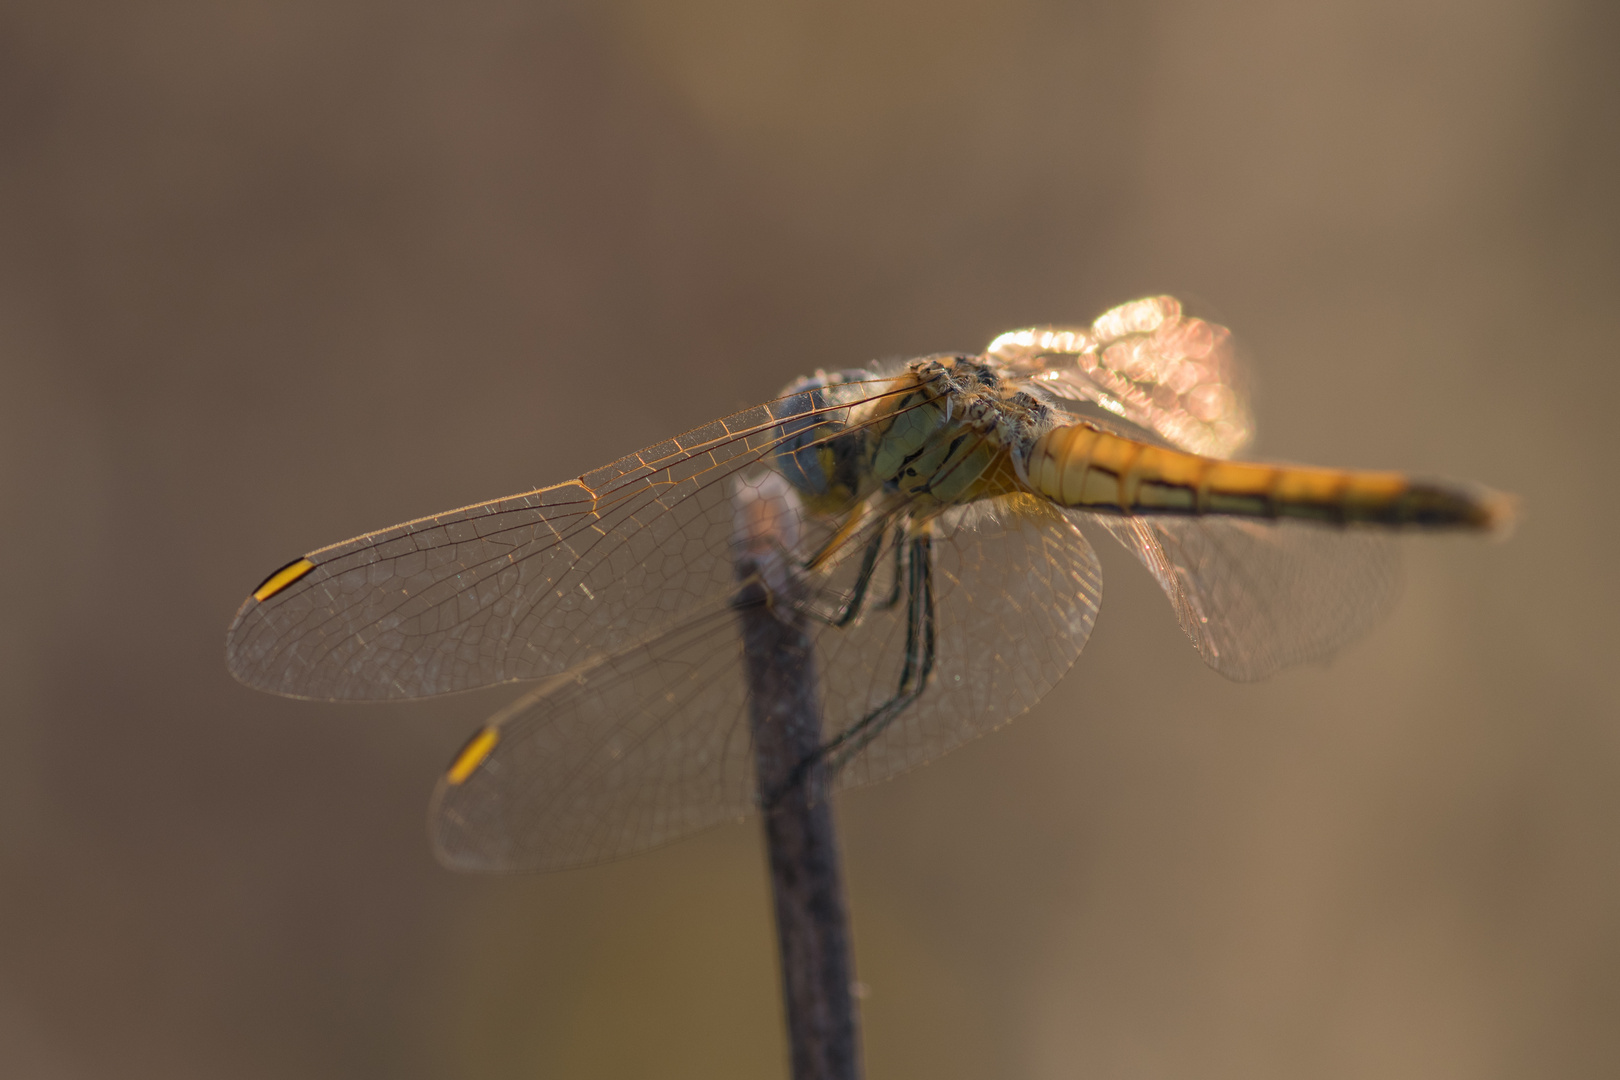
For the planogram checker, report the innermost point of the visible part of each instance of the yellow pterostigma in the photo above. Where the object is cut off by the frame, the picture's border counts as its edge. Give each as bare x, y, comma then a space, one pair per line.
926, 519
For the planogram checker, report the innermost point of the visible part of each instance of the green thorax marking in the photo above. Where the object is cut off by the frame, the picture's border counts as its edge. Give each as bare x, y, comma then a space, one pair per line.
946, 431
946, 441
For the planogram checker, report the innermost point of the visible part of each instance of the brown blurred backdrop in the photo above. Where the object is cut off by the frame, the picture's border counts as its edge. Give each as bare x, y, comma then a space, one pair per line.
273, 273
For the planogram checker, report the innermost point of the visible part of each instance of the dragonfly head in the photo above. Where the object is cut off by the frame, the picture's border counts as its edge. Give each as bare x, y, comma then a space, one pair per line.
820, 453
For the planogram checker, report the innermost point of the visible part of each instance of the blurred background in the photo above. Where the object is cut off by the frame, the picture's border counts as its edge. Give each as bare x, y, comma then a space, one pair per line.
276, 273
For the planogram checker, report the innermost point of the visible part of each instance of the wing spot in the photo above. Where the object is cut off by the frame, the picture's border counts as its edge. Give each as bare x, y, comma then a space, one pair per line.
473, 755
282, 578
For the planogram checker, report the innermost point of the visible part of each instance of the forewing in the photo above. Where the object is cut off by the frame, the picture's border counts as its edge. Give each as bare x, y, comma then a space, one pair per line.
1258, 596
1146, 361
517, 588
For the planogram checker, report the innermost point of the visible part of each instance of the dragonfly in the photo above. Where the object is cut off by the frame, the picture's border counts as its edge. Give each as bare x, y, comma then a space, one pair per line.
927, 520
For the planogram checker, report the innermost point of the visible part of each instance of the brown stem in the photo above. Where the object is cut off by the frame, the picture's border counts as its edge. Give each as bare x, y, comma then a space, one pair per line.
812, 922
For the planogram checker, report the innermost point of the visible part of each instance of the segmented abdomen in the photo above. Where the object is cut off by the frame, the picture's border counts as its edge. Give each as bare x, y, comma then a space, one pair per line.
1084, 466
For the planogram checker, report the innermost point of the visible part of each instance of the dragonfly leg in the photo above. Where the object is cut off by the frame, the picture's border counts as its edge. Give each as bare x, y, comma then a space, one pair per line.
914, 671
857, 601
894, 585
863, 581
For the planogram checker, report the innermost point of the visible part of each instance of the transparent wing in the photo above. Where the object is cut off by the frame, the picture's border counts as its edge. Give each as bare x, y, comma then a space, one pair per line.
653, 743
1254, 596
1172, 374
646, 746
1016, 588
523, 587
1258, 596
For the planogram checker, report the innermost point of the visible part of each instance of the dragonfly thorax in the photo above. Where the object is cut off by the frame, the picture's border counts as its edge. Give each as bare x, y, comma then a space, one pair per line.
945, 431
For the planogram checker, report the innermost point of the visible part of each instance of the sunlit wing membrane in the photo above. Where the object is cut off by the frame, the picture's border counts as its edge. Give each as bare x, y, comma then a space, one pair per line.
653, 743
1258, 596
1145, 361
1254, 596
516, 588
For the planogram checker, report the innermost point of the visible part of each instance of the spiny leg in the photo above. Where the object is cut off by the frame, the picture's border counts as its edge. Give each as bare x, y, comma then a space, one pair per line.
863, 581
898, 575
917, 666
914, 671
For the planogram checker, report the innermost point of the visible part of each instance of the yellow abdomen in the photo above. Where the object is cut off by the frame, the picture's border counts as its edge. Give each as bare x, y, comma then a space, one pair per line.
1084, 466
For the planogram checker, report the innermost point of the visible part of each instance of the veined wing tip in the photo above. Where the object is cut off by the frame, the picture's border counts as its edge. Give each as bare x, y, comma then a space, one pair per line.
457, 848
458, 860
235, 662
272, 585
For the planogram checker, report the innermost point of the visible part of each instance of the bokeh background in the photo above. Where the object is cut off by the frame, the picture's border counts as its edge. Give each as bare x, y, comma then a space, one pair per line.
275, 272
